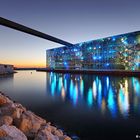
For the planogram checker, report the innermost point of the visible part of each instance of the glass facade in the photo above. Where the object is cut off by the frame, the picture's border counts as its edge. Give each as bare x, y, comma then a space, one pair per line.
116, 52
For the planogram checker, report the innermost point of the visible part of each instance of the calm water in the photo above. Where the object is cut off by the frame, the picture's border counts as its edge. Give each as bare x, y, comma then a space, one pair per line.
89, 106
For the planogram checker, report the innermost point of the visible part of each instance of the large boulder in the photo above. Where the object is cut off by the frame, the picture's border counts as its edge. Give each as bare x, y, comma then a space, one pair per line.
49, 132
65, 137
11, 133
29, 123
7, 109
52, 129
6, 120
4, 99
45, 135
12, 109
34, 127
19, 109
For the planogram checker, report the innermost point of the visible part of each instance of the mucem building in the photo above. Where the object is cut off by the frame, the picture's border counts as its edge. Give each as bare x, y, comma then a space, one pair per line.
120, 52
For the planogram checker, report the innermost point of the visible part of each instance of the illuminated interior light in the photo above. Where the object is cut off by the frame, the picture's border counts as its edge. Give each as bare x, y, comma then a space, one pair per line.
137, 64
80, 44
125, 54
65, 63
126, 61
116, 51
138, 39
113, 38
94, 57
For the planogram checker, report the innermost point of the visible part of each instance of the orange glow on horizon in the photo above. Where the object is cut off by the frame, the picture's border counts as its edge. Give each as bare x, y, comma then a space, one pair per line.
29, 65
25, 64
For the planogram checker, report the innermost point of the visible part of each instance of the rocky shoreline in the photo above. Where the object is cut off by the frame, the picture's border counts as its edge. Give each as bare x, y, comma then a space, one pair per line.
18, 123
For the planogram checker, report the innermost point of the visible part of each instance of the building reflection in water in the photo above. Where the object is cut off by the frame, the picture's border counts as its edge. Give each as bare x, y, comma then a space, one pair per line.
103, 93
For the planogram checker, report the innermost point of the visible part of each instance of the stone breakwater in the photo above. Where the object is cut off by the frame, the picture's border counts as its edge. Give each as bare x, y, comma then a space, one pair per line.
18, 123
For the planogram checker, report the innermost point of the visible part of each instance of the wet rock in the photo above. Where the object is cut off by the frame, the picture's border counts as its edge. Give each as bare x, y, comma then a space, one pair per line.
46, 135
11, 109
2, 134
4, 99
11, 133
52, 129
34, 127
58, 133
46, 126
51, 133
18, 110
6, 120
29, 123
64, 138
7, 109
18, 105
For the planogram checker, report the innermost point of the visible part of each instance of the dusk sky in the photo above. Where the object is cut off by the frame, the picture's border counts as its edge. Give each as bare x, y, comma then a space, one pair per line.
71, 20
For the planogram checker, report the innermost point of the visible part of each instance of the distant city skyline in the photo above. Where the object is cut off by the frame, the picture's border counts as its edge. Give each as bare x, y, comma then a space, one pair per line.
73, 21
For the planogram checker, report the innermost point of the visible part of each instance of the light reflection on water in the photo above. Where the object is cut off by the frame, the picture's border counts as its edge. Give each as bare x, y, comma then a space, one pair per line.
98, 92
83, 105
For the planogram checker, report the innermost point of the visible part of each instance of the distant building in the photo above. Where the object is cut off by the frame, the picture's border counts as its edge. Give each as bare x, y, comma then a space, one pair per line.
6, 69
120, 52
